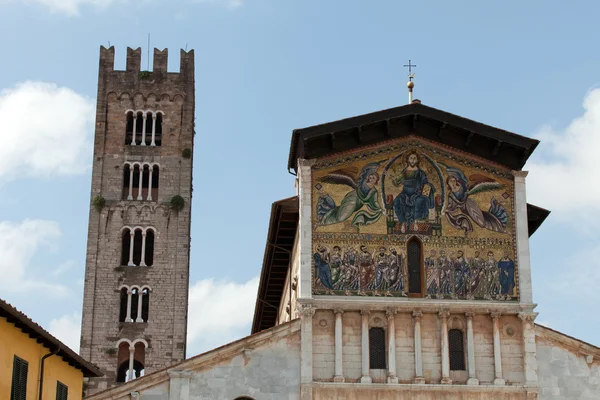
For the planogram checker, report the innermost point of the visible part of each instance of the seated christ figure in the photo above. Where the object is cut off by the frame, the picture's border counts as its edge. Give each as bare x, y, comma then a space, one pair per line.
412, 204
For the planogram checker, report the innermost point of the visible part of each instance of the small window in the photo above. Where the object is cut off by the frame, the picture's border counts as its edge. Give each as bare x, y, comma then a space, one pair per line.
414, 255
377, 348
62, 391
457, 350
18, 389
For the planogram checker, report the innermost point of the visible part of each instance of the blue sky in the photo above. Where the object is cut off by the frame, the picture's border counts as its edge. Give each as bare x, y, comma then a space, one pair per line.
264, 68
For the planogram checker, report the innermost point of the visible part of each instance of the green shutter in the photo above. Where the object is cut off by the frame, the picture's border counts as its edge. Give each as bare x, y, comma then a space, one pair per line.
18, 390
62, 391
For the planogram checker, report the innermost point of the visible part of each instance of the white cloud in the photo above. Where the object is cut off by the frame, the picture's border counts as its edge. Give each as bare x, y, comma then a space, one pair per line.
67, 329
45, 131
18, 244
70, 7
219, 312
63, 267
563, 177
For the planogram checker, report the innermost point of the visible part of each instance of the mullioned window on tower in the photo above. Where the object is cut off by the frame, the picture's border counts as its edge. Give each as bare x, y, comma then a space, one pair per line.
137, 247
134, 303
140, 181
143, 128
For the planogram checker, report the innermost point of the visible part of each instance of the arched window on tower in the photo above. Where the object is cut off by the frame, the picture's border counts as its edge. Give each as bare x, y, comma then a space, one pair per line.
139, 125
145, 304
123, 298
158, 129
154, 178
456, 346
131, 359
137, 248
135, 301
140, 182
127, 183
129, 128
377, 348
415, 267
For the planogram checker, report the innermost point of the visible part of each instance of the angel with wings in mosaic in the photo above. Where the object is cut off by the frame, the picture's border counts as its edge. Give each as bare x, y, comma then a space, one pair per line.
362, 201
461, 209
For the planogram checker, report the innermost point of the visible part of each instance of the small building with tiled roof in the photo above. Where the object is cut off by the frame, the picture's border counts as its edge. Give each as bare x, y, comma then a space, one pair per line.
36, 365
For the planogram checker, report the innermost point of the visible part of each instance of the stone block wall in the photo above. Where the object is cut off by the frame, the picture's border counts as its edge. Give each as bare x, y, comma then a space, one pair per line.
166, 328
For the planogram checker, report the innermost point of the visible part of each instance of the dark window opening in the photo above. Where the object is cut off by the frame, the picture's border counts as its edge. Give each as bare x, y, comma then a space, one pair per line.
123, 371
18, 389
134, 304
414, 256
126, 177
145, 304
377, 348
125, 246
123, 305
155, 174
129, 128
137, 247
457, 350
149, 251
149, 122
135, 190
158, 131
145, 181
62, 391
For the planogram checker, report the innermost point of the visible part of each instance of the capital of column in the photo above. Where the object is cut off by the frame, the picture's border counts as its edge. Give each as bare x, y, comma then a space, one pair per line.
337, 311
390, 313
303, 162
365, 312
417, 315
143, 234
154, 116
306, 311
528, 317
495, 315
520, 174
132, 233
131, 349
469, 315
444, 314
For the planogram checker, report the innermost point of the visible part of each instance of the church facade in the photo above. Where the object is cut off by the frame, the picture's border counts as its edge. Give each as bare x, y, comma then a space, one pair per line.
400, 270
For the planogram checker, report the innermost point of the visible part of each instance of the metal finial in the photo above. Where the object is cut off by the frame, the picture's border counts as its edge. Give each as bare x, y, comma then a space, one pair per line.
410, 83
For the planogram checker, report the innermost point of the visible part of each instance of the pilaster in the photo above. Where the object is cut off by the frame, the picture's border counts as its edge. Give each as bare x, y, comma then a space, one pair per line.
522, 230
305, 227
529, 349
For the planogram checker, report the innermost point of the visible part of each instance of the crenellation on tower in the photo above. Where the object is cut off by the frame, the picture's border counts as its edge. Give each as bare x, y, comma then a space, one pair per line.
137, 267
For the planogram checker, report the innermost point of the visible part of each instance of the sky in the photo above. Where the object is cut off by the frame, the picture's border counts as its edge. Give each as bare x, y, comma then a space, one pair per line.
264, 68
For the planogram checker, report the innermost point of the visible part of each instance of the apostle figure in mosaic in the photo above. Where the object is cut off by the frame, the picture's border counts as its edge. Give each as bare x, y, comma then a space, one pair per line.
335, 262
366, 269
322, 268
364, 194
433, 275
397, 275
461, 209
382, 266
506, 268
492, 274
461, 275
350, 277
477, 286
411, 204
446, 275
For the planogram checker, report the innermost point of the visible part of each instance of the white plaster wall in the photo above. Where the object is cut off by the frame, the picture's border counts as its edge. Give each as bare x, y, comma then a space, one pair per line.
351, 341
431, 348
323, 345
565, 374
405, 348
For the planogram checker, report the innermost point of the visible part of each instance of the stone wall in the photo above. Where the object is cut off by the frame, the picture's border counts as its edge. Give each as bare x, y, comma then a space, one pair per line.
567, 368
166, 328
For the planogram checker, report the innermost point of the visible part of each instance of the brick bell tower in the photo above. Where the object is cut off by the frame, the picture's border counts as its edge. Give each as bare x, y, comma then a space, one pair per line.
137, 267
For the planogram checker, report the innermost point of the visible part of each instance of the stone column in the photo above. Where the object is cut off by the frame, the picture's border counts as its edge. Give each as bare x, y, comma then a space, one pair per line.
522, 231
153, 143
134, 128
366, 377
144, 117
445, 349
306, 351
131, 355
529, 349
143, 259
139, 310
139, 196
130, 195
149, 197
339, 373
128, 317
497, 350
471, 350
131, 243
392, 374
417, 315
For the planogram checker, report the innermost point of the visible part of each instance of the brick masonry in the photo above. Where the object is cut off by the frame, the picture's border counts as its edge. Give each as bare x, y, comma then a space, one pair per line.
166, 329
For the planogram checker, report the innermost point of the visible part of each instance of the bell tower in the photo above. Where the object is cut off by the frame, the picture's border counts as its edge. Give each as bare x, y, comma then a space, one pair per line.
137, 265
